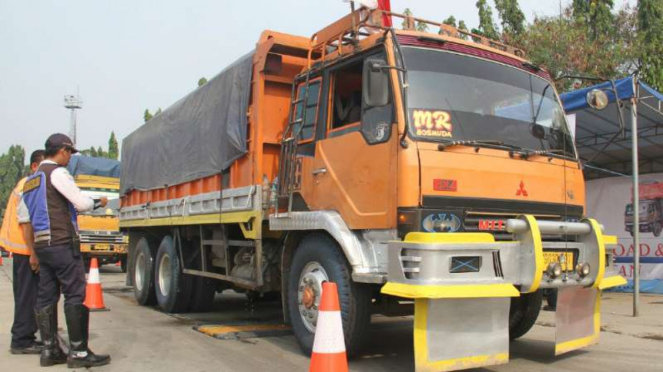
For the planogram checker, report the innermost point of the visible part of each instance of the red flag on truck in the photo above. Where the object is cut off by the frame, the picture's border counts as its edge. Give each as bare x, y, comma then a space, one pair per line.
386, 6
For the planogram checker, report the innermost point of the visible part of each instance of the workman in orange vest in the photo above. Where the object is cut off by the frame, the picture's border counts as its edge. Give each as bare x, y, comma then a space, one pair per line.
25, 269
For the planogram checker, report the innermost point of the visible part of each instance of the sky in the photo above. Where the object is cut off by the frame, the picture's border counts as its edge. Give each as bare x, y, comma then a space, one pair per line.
123, 56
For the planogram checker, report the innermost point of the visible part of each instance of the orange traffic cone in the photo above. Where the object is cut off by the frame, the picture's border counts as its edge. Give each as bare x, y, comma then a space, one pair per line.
329, 345
94, 298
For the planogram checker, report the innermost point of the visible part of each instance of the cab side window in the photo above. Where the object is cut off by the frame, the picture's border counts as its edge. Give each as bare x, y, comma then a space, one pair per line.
346, 104
349, 112
308, 107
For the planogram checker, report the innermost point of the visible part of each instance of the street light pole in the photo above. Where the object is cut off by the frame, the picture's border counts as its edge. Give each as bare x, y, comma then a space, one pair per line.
636, 200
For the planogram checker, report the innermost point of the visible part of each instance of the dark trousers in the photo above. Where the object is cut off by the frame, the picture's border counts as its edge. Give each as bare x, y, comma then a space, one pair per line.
25, 297
60, 270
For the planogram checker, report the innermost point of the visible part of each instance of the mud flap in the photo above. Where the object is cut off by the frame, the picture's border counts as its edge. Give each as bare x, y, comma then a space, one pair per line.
578, 318
460, 333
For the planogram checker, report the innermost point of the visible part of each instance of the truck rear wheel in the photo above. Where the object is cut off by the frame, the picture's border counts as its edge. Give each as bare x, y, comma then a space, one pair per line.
656, 229
319, 259
143, 273
171, 285
524, 312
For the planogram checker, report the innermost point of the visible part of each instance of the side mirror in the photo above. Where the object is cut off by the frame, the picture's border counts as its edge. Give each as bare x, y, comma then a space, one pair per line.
537, 131
376, 83
597, 99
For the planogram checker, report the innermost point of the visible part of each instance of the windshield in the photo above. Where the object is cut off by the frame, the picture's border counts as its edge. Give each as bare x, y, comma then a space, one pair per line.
111, 208
456, 97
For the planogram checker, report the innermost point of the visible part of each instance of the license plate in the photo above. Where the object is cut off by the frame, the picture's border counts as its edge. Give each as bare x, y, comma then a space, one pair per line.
101, 247
563, 258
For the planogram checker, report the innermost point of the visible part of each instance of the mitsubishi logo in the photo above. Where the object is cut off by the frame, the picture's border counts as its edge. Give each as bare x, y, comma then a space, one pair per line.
521, 191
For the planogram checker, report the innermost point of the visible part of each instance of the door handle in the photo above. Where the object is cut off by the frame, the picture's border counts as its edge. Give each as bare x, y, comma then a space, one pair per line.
319, 171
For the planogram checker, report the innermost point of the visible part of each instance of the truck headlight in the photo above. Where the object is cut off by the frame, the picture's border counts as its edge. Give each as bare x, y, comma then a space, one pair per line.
554, 270
582, 269
441, 222
125, 239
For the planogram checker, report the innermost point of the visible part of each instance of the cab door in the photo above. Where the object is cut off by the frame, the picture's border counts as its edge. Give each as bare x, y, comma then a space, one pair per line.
353, 168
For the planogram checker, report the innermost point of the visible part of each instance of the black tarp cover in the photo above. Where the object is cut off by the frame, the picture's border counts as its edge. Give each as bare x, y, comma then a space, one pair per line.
198, 136
91, 166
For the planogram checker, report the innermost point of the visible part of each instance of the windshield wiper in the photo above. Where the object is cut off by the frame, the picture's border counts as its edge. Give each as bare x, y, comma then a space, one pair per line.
477, 143
548, 153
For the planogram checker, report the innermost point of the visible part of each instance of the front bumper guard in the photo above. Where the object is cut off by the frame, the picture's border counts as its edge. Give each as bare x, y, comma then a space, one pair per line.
462, 317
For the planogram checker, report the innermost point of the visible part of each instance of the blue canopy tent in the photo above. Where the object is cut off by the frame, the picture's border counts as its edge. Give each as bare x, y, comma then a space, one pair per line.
611, 147
602, 144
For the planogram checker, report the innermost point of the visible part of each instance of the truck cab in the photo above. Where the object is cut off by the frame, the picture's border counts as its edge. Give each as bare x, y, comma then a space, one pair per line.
651, 216
99, 229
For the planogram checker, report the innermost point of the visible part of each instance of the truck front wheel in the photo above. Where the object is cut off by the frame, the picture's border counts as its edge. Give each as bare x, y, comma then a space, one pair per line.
524, 311
319, 259
172, 286
656, 229
143, 273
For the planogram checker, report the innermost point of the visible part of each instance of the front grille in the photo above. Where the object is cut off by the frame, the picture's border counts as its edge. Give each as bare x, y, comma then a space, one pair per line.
495, 223
101, 237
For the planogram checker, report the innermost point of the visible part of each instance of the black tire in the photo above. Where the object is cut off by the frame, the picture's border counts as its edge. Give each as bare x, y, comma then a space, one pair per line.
355, 298
202, 294
551, 299
86, 263
172, 287
524, 311
143, 272
656, 229
123, 264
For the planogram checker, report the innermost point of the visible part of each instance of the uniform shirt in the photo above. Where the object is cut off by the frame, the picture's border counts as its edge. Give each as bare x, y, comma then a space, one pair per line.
64, 183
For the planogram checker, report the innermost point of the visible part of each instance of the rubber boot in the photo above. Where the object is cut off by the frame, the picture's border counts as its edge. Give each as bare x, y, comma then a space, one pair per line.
52, 353
80, 356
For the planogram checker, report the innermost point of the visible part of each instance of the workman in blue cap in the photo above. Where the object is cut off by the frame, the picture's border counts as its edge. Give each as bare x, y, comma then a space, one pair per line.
50, 203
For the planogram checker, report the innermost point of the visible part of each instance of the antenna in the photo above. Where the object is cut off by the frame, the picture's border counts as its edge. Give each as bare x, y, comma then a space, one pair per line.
73, 103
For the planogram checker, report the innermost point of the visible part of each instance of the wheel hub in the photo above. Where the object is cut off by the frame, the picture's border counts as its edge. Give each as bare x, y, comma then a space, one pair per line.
309, 298
140, 271
309, 293
164, 275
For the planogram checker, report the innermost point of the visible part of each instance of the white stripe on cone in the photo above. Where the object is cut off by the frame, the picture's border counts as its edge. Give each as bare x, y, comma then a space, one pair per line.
329, 333
93, 276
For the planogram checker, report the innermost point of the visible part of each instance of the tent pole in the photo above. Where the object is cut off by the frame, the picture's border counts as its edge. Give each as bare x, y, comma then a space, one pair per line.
636, 201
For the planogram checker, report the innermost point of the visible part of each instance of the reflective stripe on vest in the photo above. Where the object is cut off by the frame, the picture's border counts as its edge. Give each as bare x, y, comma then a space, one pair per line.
34, 196
11, 233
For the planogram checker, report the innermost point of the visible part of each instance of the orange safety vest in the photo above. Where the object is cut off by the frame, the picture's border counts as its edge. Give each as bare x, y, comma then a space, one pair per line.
11, 234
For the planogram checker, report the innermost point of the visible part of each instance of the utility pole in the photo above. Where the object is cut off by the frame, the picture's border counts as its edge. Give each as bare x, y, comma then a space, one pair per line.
73, 103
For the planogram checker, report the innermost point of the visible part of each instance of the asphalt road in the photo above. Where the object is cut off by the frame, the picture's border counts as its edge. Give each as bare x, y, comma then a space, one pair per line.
144, 339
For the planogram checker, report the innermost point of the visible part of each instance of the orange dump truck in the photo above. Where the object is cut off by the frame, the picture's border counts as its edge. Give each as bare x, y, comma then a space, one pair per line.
407, 167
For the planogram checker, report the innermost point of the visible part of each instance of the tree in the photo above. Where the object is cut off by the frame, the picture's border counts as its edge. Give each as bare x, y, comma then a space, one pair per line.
147, 115
451, 21
157, 112
463, 27
650, 41
407, 13
113, 149
202, 81
12, 169
512, 17
486, 25
595, 15
101, 153
564, 46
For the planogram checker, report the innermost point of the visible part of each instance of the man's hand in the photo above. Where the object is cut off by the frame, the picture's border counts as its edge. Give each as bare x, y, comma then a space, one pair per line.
34, 263
103, 201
